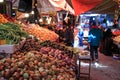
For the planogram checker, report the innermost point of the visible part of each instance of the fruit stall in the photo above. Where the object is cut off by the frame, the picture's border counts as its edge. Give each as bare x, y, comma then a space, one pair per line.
34, 53
40, 61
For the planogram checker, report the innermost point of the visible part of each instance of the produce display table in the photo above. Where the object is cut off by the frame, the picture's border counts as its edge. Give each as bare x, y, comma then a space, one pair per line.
84, 67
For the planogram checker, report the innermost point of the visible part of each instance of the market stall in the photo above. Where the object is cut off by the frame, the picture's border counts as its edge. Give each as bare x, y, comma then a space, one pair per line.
40, 60
38, 56
34, 52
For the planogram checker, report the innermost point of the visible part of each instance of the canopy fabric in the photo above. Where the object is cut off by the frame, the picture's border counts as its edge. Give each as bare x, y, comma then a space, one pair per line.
81, 6
106, 7
43, 5
49, 5
94, 6
62, 5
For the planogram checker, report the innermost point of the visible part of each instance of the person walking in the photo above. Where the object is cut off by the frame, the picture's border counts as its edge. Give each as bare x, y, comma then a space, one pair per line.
94, 37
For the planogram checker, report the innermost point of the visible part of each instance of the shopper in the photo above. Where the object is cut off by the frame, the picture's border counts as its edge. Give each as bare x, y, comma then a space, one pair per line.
80, 36
94, 37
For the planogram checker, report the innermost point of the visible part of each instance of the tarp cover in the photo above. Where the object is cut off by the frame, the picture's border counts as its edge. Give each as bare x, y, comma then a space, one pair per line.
43, 5
80, 6
105, 7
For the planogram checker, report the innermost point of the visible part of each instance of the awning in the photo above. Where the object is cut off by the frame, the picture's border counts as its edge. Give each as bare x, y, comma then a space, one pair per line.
105, 7
82, 6
62, 5
77, 6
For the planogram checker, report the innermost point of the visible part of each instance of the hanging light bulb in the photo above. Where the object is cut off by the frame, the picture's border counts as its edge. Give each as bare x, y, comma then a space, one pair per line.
1, 1
32, 12
40, 20
26, 15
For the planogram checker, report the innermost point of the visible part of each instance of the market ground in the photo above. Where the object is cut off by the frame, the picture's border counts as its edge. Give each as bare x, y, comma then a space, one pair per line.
107, 69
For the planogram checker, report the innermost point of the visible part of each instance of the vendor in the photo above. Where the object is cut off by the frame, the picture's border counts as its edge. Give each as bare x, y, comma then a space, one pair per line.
108, 42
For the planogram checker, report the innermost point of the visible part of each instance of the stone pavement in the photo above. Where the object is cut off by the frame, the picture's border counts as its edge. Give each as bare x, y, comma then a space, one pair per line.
106, 69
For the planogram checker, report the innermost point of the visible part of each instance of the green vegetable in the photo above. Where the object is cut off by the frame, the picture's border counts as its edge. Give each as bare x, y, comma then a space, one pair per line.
12, 32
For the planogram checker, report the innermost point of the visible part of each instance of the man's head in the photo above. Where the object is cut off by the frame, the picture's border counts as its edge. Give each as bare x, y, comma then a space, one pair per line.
94, 23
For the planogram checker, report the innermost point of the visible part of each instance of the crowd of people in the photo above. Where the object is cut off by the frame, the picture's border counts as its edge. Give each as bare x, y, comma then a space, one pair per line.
99, 39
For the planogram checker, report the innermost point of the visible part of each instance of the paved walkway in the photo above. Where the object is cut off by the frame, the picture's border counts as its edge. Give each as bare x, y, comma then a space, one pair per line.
106, 69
